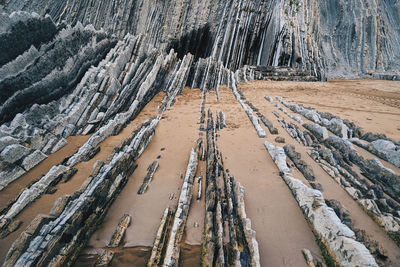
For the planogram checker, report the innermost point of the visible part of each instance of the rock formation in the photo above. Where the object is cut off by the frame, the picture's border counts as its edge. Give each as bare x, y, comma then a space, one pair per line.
327, 39
70, 68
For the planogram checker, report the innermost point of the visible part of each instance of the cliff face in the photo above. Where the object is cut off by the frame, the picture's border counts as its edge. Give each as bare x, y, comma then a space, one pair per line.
339, 38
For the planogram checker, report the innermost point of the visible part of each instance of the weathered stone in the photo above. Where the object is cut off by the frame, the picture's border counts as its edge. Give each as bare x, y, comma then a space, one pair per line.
320, 132
160, 240
59, 205
389, 149
308, 257
172, 252
13, 153
339, 238
149, 176
6, 141
280, 139
303, 167
268, 98
119, 232
33, 159
9, 175
105, 259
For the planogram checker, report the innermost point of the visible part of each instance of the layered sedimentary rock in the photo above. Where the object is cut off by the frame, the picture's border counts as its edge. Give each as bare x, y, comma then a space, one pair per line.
53, 242
324, 38
336, 236
237, 245
90, 67
338, 157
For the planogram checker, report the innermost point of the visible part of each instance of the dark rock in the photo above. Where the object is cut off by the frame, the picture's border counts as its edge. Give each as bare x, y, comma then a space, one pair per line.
26, 31
303, 167
340, 211
373, 246
120, 231
317, 186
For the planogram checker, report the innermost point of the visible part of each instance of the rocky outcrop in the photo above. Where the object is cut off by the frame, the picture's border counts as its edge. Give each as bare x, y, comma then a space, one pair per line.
371, 197
56, 70
300, 164
267, 123
225, 206
303, 34
119, 232
253, 119
161, 239
90, 67
370, 168
336, 236
182, 211
320, 132
389, 149
326, 120
380, 145
59, 238
23, 30
105, 100
302, 137
149, 176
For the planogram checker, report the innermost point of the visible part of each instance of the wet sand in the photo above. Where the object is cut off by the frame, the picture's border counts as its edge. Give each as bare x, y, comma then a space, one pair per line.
138, 256
122, 257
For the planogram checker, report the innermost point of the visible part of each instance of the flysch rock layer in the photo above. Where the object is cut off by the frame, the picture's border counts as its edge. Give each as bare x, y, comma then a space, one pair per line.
337, 154
83, 67
307, 34
337, 237
49, 244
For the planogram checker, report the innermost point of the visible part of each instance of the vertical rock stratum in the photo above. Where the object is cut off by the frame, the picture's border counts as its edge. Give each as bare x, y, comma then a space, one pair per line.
113, 72
340, 38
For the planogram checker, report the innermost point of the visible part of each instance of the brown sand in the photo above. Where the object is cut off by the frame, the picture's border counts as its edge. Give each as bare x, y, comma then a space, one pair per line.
138, 256
13, 189
122, 257
373, 104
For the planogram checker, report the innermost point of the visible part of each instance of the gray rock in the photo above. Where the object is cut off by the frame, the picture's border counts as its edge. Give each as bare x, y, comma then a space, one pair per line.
14, 152
9, 175
7, 140
320, 132
389, 149
300, 164
33, 159
341, 239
